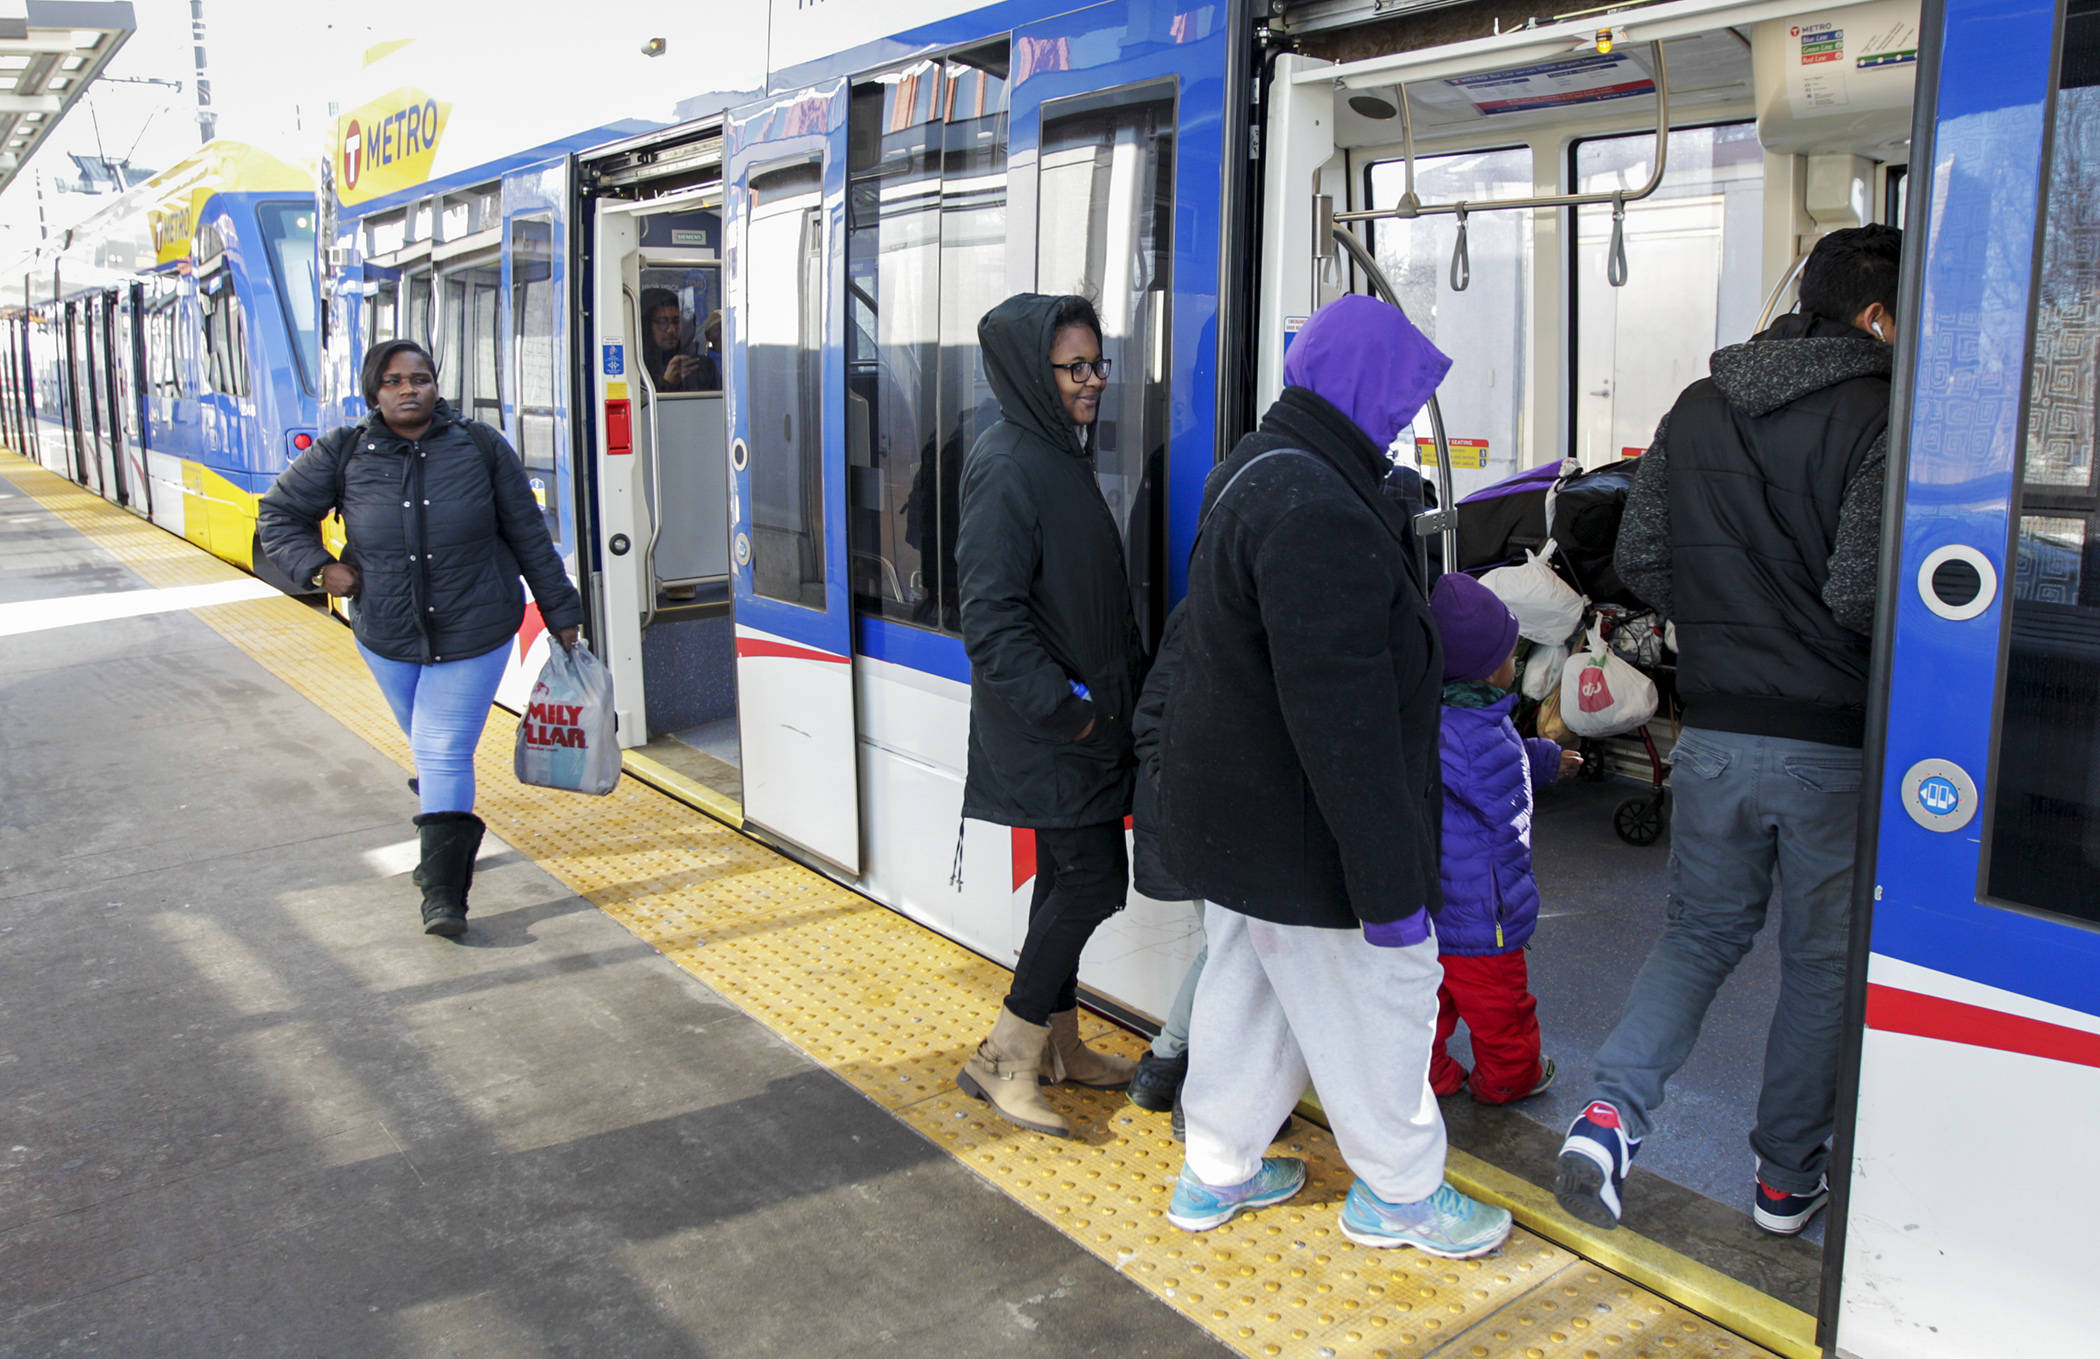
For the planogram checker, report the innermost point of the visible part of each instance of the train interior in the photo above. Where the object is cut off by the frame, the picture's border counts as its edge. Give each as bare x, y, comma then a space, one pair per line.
663, 479
1572, 328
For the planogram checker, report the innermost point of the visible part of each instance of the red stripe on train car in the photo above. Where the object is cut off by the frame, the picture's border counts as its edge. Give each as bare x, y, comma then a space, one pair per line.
1024, 856
1894, 1010
758, 646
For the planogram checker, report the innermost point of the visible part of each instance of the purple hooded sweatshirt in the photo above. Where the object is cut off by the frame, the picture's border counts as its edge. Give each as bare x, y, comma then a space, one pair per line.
1368, 359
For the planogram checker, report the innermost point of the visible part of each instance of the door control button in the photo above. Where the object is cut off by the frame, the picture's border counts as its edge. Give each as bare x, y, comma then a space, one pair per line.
619, 544
1939, 795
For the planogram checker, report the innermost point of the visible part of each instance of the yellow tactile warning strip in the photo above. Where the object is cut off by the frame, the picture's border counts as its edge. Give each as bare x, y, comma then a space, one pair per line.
893, 1009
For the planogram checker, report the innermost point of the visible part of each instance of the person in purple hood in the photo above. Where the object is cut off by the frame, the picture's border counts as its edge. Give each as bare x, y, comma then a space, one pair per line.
1491, 899
1299, 796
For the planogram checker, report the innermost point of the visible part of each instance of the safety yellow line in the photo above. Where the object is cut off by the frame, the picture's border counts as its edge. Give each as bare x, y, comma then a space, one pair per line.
893, 1009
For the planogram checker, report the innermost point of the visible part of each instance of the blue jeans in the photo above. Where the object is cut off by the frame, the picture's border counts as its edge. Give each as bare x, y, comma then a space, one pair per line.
1750, 811
443, 709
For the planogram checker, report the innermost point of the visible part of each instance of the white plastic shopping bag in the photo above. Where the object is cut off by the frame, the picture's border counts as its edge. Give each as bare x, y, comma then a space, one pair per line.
567, 737
1542, 669
1547, 608
1601, 695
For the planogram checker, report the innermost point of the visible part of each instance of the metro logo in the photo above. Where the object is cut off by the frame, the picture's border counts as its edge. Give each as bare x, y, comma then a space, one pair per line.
387, 145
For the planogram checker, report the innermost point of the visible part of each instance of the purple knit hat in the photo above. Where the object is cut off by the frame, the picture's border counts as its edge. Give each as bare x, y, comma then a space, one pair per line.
1479, 631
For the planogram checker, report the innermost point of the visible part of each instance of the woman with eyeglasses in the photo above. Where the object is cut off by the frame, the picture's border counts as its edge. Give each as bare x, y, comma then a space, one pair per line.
1055, 667
440, 522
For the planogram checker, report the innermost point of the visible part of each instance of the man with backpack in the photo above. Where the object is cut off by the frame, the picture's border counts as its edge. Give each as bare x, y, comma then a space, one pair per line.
1755, 527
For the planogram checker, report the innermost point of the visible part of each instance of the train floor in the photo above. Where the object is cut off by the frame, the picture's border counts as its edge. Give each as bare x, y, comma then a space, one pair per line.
671, 1095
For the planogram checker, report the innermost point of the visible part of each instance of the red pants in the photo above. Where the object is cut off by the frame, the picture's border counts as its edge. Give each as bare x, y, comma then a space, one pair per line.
1493, 995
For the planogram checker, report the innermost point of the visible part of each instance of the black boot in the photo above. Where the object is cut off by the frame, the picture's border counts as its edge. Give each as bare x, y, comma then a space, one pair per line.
450, 841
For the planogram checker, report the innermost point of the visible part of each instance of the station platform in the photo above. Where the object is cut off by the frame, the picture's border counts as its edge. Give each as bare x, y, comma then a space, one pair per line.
673, 1094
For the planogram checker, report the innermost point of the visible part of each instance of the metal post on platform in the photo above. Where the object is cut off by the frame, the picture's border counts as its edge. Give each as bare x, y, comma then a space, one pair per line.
207, 121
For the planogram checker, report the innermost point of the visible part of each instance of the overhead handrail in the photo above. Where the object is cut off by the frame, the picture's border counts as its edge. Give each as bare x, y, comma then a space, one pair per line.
1411, 206
1443, 520
1764, 318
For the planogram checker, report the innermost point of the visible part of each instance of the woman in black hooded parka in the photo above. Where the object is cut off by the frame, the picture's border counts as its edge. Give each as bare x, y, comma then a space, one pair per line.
440, 522
1055, 667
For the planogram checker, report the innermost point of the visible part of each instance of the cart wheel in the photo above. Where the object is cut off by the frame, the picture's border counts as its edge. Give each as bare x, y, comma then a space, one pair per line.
1640, 820
1593, 768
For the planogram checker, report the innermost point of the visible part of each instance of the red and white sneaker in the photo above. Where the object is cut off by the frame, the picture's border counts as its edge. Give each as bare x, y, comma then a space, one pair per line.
1590, 1180
1783, 1213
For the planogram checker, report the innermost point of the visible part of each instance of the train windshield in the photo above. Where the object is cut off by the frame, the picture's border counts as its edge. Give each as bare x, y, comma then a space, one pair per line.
288, 229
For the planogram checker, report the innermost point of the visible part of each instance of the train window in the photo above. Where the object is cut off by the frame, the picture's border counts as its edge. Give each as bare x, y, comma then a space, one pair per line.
1694, 252
1483, 327
418, 318
682, 328
1105, 230
2044, 837
380, 313
288, 235
225, 334
783, 339
385, 235
532, 315
925, 258
467, 346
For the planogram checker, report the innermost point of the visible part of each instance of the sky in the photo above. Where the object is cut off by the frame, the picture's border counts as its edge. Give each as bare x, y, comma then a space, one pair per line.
268, 60
275, 65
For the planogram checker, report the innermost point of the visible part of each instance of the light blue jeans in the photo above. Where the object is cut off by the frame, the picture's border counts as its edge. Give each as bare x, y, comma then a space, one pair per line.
1750, 812
443, 709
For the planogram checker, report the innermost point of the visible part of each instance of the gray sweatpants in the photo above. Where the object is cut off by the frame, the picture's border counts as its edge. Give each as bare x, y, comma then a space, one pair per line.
1281, 1004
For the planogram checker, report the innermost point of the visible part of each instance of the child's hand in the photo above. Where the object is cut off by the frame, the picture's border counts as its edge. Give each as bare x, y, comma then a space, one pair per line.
1570, 761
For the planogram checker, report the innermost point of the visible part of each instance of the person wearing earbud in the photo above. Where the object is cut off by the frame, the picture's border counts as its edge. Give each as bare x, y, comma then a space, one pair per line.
1755, 526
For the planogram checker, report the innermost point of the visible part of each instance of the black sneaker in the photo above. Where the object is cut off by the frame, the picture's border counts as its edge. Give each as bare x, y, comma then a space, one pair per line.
1157, 1081
1179, 1124
1785, 1214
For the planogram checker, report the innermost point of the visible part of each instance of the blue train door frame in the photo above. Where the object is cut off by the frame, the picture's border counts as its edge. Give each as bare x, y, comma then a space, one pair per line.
790, 587
1964, 1229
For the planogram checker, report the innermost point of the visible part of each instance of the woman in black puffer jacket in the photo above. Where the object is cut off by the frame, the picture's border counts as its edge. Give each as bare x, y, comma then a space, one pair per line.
440, 523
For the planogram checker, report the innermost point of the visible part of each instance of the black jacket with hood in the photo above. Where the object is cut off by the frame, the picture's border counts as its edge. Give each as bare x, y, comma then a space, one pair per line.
1300, 781
1755, 525
438, 533
1044, 598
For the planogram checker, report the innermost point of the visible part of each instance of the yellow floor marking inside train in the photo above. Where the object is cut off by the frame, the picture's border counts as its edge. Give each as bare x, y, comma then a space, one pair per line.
893, 1009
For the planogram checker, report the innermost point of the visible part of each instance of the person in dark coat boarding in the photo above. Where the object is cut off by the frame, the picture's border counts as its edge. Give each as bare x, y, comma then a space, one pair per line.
1055, 667
1300, 796
440, 523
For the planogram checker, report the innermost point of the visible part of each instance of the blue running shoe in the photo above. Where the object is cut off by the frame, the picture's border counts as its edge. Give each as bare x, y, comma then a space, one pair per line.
1447, 1224
1785, 1214
1591, 1179
1197, 1207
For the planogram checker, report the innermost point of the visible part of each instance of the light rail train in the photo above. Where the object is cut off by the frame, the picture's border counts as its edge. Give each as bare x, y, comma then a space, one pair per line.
735, 345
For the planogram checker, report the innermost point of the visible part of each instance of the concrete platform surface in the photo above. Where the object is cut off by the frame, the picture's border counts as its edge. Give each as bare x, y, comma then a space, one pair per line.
247, 1108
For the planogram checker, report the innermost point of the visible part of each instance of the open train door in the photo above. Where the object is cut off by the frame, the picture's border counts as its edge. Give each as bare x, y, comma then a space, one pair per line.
788, 566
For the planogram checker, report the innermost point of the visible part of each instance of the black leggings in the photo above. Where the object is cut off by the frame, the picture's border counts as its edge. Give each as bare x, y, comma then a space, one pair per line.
1082, 877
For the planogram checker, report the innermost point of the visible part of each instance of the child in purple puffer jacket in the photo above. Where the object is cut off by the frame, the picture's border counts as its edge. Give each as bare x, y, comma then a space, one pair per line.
1491, 900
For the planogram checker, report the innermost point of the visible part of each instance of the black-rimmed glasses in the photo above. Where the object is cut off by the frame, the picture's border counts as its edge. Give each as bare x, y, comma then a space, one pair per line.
1078, 369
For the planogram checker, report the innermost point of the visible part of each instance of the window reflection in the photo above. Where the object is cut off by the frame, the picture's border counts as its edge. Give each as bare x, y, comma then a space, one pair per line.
781, 317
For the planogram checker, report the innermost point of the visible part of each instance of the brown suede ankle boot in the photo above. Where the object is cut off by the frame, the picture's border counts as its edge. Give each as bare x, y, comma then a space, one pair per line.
1002, 1073
1070, 1059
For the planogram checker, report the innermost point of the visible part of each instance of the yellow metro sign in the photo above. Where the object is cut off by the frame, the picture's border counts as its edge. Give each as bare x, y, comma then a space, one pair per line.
387, 145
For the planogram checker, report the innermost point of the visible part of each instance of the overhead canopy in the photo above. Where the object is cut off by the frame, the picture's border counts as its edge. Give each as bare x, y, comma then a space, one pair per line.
50, 50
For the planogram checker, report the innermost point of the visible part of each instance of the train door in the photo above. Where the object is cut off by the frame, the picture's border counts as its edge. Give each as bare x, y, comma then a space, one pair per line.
1580, 218
111, 353
1971, 1195
789, 569
73, 362
535, 316
661, 470
133, 383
